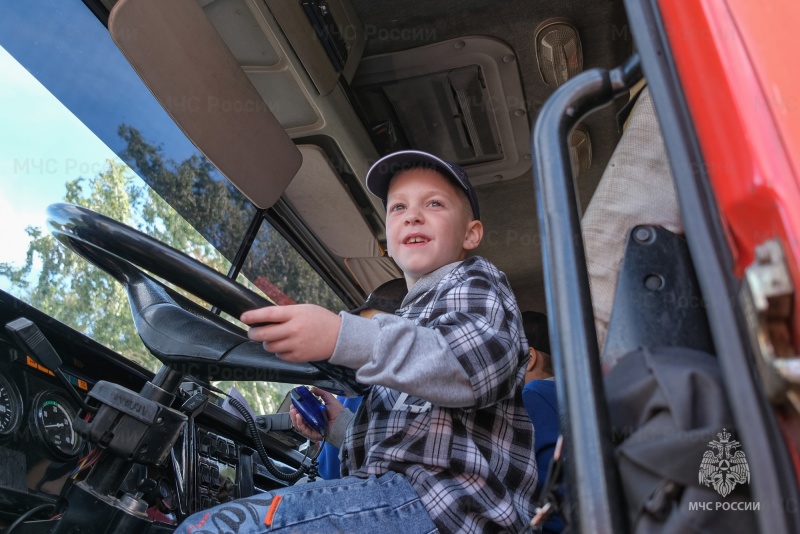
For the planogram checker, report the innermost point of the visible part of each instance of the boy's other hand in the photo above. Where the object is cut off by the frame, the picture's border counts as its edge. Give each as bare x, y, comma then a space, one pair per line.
332, 408
295, 333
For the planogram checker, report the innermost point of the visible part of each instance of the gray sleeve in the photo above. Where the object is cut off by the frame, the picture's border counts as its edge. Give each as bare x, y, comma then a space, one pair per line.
339, 428
392, 351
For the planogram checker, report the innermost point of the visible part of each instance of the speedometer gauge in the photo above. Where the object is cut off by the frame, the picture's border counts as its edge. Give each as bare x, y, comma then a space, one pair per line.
52, 425
10, 407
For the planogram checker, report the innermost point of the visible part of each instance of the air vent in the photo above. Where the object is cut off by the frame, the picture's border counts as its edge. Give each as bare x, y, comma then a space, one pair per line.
448, 113
460, 99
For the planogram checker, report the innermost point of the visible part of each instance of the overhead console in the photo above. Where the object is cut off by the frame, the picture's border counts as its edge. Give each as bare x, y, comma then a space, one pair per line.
289, 52
326, 35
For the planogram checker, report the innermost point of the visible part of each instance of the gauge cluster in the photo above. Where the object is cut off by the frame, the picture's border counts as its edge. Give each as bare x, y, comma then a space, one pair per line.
35, 411
51, 418
11, 407
39, 447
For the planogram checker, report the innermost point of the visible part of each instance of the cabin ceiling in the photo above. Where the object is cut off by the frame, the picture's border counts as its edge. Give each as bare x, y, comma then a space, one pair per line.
512, 238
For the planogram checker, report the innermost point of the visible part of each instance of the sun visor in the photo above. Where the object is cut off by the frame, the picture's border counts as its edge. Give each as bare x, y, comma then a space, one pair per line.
318, 195
191, 71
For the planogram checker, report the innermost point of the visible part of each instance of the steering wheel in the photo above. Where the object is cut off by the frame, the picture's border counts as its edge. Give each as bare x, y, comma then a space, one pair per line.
175, 330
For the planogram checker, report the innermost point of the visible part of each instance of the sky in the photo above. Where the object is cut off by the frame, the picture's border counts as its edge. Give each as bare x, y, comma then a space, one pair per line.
46, 147
42, 143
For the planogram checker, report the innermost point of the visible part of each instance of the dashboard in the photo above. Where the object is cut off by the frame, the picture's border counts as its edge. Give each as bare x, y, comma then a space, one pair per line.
43, 450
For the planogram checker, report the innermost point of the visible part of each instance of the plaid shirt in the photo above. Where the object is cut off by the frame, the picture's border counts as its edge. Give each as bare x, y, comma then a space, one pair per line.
473, 467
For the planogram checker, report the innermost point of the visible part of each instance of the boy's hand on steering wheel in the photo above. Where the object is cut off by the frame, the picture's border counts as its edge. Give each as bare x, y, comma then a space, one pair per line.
295, 333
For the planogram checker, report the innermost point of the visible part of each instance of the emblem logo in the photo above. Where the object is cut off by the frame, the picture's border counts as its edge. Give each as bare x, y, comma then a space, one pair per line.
726, 467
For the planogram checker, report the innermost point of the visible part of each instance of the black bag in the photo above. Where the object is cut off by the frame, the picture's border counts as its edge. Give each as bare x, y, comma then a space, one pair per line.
667, 405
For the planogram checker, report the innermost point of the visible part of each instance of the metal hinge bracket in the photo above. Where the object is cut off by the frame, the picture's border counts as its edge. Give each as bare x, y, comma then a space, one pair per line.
767, 298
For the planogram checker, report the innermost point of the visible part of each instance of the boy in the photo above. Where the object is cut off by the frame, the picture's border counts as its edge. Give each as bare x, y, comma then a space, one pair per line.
441, 440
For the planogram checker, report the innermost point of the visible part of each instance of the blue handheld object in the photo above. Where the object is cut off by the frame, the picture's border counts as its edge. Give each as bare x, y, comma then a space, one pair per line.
310, 409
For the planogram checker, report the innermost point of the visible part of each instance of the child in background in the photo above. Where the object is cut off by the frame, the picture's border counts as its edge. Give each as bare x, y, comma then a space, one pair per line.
539, 396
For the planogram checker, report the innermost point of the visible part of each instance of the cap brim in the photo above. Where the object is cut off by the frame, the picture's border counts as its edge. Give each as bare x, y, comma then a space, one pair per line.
382, 172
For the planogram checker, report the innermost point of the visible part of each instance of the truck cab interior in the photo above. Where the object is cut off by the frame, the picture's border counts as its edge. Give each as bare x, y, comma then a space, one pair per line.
256, 121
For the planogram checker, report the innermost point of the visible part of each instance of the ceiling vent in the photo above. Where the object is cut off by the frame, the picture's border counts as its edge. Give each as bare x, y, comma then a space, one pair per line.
461, 100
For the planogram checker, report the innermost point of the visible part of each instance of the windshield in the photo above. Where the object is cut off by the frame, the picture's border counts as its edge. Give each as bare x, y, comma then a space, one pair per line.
77, 125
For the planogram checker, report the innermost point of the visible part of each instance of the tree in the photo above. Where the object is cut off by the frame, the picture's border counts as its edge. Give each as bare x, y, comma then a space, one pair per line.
74, 291
77, 293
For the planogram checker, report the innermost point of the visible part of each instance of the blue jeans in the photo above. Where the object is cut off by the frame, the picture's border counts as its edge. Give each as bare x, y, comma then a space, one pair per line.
385, 504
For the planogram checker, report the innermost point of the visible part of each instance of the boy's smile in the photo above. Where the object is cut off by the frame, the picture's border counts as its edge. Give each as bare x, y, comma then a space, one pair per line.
428, 223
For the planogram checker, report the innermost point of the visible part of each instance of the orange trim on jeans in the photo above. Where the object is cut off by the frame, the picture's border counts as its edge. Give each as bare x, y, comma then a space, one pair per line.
273, 507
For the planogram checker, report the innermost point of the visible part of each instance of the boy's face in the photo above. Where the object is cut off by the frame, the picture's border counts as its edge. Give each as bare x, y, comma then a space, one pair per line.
427, 223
